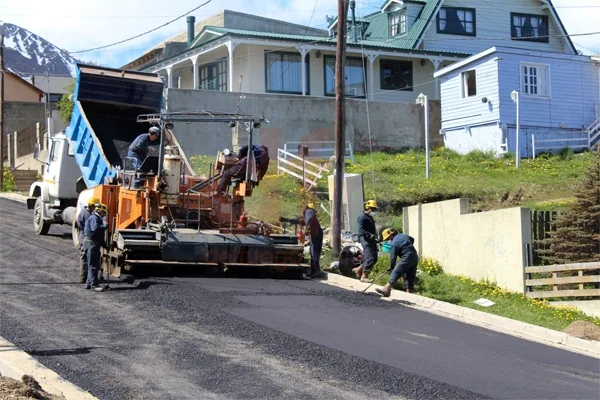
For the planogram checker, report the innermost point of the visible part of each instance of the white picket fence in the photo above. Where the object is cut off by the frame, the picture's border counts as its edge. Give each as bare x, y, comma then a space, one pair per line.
320, 149
306, 171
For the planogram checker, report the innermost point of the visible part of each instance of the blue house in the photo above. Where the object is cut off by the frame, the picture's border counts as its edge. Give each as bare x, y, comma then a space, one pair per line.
557, 97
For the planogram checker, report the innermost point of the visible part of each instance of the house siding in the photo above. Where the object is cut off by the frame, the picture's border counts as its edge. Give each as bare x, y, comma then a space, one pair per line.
485, 138
574, 92
460, 112
493, 20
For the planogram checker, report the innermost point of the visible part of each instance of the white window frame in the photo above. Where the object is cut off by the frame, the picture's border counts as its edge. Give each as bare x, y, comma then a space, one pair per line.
464, 90
547, 95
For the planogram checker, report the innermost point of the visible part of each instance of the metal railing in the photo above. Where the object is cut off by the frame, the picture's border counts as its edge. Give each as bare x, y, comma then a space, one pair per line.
319, 151
306, 171
593, 132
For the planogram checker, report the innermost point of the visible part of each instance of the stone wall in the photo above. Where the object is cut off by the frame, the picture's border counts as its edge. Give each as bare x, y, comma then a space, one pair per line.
294, 118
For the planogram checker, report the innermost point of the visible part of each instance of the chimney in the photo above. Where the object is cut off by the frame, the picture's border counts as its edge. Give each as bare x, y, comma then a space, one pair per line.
191, 20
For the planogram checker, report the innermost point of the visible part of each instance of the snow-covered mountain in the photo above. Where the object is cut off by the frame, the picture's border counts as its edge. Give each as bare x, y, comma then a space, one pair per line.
25, 53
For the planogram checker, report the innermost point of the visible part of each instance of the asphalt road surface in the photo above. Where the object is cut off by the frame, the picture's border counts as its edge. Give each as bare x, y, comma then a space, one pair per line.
192, 337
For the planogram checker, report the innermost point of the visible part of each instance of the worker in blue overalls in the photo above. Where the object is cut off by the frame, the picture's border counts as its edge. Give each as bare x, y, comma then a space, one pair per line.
367, 235
93, 241
139, 149
401, 247
81, 219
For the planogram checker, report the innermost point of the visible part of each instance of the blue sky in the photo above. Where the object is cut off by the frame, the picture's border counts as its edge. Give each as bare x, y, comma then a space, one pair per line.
82, 24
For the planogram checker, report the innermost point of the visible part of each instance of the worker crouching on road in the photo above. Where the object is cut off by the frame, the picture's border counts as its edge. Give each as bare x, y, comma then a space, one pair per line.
81, 220
367, 234
95, 226
139, 149
401, 247
314, 230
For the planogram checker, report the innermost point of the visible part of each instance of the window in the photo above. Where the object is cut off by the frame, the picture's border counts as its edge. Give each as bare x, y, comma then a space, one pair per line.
283, 73
456, 21
396, 75
469, 83
529, 27
397, 23
214, 76
355, 77
535, 80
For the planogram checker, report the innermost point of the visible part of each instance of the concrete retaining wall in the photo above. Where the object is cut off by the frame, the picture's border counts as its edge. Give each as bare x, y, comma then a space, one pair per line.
487, 245
19, 115
297, 118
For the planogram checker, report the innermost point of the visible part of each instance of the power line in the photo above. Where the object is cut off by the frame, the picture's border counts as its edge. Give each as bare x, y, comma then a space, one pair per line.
141, 34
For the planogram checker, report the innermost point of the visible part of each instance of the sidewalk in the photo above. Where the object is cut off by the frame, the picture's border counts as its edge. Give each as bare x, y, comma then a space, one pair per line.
15, 363
474, 317
13, 196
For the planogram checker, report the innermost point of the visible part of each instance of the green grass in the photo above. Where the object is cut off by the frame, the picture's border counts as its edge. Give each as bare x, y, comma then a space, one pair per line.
488, 182
463, 291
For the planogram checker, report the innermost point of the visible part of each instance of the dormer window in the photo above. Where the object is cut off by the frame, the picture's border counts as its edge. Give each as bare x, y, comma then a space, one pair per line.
529, 27
397, 23
456, 21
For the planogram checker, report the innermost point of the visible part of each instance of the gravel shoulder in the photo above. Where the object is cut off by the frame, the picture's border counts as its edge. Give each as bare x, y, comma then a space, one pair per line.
189, 337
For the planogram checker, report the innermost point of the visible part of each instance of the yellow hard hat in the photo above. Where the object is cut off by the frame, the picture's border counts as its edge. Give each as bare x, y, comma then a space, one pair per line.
388, 232
311, 205
102, 207
371, 204
94, 200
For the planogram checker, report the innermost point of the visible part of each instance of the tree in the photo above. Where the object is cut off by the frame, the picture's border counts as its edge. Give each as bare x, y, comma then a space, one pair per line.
65, 104
577, 235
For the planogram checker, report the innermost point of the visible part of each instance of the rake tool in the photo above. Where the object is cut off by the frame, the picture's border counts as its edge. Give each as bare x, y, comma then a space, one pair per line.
374, 280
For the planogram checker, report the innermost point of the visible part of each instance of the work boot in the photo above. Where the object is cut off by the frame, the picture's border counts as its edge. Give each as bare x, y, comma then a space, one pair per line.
358, 271
365, 278
386, 291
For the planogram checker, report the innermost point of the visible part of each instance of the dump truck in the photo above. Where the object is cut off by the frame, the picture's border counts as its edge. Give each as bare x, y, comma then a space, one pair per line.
176, 218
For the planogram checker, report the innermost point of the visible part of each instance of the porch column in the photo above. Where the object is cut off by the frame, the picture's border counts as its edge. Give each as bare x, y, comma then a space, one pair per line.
436, 66
231, 45
195, 71
169, 78
372, 57
303, 52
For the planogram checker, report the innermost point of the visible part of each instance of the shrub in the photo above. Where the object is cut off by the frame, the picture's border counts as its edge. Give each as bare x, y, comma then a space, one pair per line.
8, 181
430, 266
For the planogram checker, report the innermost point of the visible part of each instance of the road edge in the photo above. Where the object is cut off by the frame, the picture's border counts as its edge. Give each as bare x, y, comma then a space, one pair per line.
13, 196
475, 317
15, 363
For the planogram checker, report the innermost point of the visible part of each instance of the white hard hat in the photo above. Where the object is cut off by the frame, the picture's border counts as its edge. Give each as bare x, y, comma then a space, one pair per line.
155, 130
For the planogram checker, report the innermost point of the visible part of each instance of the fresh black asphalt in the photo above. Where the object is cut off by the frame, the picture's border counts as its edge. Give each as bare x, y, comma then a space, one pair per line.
192, 337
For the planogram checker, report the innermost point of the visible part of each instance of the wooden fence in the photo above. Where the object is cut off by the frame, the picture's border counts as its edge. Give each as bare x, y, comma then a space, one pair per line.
542, 222
567, 280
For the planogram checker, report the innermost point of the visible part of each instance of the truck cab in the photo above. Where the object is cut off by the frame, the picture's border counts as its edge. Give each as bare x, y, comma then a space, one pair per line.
58, 188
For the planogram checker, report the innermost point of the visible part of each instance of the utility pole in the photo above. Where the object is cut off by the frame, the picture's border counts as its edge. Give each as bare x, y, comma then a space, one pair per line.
340, 125
2, 138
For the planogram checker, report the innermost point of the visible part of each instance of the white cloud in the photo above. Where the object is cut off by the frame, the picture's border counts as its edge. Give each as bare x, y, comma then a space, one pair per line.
82, 24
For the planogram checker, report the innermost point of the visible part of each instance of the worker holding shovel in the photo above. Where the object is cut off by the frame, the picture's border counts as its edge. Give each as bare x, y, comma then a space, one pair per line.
402, 248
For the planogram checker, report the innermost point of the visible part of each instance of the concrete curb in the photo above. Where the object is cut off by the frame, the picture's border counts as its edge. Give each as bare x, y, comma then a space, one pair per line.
15, 363
14, 197
478, 318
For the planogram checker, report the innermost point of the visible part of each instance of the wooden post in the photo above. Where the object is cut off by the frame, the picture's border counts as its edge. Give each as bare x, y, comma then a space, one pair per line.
15, 145
38, 137
340, 124
10, 155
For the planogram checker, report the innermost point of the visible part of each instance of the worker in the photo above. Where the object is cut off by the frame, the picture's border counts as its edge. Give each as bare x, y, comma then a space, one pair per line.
95, 226
261, 155
315, 232
139, 149
367, 234
81, 219
402, 247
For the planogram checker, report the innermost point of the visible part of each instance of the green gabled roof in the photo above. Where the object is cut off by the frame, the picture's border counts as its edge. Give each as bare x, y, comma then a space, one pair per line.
417, 30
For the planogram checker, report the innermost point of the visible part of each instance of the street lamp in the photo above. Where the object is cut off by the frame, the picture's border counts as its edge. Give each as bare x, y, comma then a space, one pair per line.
422, 100
514, 95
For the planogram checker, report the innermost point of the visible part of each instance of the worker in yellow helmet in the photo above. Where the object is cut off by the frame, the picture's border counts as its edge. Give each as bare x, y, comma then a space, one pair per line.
402, 247
314, 230
367, 234
81, 219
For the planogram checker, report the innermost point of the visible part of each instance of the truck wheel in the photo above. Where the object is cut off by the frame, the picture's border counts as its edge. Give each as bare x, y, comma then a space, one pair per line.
40, 227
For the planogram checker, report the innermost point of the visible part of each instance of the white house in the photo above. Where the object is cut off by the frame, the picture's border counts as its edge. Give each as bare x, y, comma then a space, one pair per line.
392, 54
557, 97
